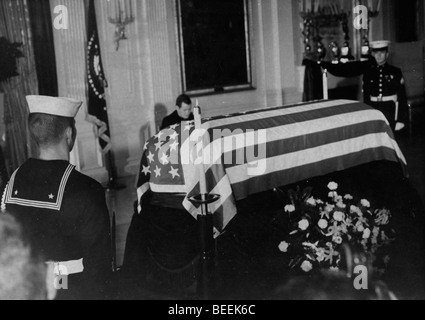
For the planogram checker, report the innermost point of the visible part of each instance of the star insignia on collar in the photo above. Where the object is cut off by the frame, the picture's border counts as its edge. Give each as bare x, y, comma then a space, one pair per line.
51, 196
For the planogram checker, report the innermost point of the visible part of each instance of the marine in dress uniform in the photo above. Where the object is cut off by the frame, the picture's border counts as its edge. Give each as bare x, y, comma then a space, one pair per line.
384, 87
63, 211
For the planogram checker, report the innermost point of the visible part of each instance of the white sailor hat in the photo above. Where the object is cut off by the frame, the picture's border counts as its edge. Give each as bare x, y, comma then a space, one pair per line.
64, 107
380, 45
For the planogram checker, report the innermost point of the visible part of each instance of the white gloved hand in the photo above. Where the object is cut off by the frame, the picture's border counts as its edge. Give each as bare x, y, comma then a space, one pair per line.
399, 126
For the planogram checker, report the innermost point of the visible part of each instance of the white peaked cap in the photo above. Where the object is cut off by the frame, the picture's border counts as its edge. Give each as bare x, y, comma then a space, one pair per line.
381, 44
64, 107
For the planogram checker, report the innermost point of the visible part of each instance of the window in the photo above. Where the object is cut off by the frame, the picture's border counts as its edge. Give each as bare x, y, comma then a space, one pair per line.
214, 45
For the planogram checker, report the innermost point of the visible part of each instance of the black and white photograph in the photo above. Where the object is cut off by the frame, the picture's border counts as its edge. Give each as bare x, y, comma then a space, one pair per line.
212, 154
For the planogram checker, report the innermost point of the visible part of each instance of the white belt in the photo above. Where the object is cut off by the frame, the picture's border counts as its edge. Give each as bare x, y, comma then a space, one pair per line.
66, 268
393, 98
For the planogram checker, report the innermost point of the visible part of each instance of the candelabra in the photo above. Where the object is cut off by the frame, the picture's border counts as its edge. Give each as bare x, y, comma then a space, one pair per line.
317, 18
307, 32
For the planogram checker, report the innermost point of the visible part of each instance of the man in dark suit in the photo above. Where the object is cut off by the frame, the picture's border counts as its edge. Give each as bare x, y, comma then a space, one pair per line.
63, 211
183, 112
384, 87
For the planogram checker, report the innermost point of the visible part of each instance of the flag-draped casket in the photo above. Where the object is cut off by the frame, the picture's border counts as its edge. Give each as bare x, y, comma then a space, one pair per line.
247, 153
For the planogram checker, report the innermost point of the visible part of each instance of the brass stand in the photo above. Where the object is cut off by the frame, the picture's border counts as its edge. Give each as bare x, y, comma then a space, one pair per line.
206, 271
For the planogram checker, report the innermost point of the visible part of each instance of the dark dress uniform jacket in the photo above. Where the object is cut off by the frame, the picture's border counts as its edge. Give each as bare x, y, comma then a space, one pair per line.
65, 215
386, 81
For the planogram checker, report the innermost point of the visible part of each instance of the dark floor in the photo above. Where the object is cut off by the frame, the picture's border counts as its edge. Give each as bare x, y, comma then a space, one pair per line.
248, 266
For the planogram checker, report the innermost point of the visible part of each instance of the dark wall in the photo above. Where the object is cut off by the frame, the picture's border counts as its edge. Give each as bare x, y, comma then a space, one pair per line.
408, 20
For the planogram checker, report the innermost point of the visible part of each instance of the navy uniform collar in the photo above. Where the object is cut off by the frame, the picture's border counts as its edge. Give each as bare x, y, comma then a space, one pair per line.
39, 184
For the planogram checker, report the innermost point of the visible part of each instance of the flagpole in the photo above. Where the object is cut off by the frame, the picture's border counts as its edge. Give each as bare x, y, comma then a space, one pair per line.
112, 175
97, 106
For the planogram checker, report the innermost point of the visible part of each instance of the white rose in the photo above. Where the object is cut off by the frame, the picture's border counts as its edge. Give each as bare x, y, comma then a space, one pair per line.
323, 224
360, 228
329, 208
341, 205
366, 234
332, 186
339, 216
365, 203
348, 197
375, 232
303, 224
283, 246
307, 266
290, 208
311, 202
332, 194
354, 209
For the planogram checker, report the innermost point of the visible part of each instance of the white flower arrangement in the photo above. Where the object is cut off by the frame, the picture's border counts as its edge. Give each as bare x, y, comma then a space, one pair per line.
318, 229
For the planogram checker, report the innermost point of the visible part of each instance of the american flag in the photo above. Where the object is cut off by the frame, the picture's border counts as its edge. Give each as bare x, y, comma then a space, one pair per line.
299, 142
161, 169
96, 108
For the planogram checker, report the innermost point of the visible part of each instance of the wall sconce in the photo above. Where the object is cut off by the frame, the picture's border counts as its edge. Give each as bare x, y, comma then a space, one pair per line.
120, 13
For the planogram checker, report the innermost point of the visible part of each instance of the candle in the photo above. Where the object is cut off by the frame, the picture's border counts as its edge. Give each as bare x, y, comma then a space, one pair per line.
202, 179
325, 84
131, 8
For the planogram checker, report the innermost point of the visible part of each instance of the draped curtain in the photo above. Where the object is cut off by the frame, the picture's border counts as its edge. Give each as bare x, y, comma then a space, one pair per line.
44, 48
15, 26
